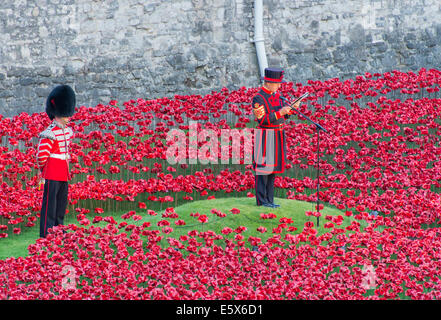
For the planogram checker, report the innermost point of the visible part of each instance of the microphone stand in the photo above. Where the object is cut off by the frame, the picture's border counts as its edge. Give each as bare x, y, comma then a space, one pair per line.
318, 128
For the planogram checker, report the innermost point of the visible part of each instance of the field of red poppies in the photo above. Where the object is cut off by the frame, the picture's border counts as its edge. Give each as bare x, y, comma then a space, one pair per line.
378, 164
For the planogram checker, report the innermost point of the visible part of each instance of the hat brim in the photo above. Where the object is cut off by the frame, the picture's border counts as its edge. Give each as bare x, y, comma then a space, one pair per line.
272, 81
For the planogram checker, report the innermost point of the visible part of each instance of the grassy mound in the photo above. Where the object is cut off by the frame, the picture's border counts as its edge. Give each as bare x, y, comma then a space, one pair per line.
250, 216
247, 215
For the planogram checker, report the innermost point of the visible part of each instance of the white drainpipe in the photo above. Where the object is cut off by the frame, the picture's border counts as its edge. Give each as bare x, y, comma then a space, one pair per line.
259, 41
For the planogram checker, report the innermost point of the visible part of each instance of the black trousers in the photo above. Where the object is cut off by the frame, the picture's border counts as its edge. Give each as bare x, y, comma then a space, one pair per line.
54, 205
264, 188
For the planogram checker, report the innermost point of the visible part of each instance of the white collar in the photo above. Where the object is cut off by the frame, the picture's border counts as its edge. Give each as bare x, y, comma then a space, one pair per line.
56, 123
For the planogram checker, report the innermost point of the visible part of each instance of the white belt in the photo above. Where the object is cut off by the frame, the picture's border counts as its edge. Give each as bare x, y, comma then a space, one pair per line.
59, 156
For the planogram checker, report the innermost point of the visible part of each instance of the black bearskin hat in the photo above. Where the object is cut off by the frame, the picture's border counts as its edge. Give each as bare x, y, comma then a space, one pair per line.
61, 102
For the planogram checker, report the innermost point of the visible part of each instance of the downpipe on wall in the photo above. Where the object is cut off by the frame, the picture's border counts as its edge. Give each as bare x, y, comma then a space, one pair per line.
259, 40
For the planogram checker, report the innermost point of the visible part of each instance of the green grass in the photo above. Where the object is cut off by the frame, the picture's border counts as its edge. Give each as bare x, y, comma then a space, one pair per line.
249, 217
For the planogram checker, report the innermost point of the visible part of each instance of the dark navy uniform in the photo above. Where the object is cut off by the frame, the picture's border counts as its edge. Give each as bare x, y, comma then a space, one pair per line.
269, 155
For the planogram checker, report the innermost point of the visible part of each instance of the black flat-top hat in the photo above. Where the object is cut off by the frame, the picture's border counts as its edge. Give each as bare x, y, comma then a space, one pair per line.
274, 75
61, 102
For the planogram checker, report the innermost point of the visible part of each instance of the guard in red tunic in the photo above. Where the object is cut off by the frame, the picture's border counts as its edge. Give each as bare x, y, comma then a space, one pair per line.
53, 157
269, 155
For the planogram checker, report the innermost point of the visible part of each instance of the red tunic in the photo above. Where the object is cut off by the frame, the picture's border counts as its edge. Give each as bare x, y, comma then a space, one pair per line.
53, 152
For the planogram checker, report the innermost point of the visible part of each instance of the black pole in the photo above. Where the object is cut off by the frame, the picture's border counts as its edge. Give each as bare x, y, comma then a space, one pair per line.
318, 175
318, 127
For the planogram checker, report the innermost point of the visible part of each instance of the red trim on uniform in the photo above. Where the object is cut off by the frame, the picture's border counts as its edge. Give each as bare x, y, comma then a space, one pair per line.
275, 149
266, 91
255, 186
258, 150
271, 126
273, 80
264, 147
283, 152
268, 173
266, 110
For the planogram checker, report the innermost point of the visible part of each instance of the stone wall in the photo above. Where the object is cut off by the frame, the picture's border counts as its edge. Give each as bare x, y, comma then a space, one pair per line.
124, 49
337, 38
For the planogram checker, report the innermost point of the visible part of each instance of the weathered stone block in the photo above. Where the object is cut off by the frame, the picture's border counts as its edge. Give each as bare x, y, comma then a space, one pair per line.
154, 48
